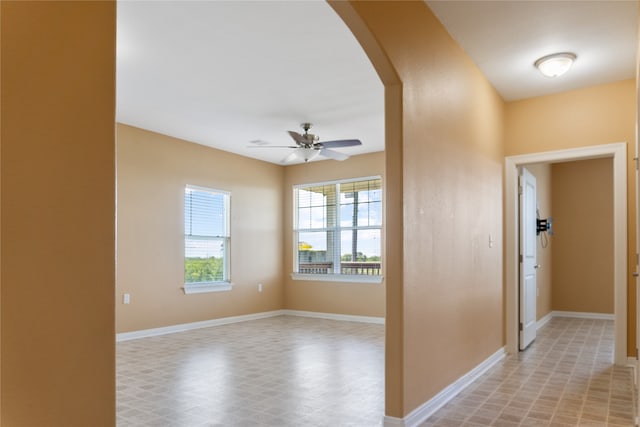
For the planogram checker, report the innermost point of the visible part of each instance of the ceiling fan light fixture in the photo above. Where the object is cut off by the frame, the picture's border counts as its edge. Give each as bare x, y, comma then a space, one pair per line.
308, 153
556, 64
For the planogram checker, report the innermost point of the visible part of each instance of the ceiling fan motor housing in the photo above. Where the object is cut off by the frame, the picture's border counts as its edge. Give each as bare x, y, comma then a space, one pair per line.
309, 137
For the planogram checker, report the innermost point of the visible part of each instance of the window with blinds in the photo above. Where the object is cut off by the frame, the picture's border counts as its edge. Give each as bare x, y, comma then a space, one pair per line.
338, 228
206, 237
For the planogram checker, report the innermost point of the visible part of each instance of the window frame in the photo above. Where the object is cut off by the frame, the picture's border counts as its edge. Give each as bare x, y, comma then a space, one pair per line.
337, 229
214, 286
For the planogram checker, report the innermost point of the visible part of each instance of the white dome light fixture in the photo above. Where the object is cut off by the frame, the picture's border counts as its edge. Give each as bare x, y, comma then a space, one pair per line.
308, 153
556, 64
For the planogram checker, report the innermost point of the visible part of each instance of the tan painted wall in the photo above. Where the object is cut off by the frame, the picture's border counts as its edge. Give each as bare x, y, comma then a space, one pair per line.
583, 239
592, 116
542, 172
363, 299
152, 172
58, 210
394, 205
450, 135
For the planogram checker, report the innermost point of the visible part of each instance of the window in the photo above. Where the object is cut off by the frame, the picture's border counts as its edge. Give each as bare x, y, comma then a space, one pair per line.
206, 240
338, 230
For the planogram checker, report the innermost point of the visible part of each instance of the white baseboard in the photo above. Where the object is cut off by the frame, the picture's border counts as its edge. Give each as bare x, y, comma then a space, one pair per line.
183, 327
424, 411
583, 315
332, 316
633, 364
145, 333
393, 422
544, 320
575, 314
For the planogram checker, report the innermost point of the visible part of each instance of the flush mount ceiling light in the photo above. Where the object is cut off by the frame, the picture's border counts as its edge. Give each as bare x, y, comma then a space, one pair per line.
556, 64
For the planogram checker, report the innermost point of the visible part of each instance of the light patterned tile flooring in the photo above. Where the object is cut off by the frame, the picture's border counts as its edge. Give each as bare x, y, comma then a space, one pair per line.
565, 378
292, 371
280, 371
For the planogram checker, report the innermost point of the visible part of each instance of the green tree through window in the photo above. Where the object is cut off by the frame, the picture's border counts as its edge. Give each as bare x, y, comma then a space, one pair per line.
206, 235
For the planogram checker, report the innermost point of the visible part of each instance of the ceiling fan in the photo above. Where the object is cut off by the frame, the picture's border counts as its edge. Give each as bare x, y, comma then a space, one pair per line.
308, 146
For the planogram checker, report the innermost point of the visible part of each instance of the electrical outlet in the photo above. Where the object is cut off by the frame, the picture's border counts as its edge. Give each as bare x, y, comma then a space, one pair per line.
259, 287
126, 299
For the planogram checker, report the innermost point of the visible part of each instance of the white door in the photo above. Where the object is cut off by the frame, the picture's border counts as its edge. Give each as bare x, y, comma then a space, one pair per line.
528, 265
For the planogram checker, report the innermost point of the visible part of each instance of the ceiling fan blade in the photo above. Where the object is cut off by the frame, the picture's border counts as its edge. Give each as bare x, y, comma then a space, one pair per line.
298, 138
272, 146
333, 154
341, 143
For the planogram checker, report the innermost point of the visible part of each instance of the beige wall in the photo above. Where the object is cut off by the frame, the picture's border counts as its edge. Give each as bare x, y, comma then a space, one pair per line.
583, 239
57, 140
449, 136
363, 299
153, 170
58, 210
542, 172
592, 116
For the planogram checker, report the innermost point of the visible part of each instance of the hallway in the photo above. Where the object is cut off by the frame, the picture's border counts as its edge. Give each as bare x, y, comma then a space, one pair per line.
565, 378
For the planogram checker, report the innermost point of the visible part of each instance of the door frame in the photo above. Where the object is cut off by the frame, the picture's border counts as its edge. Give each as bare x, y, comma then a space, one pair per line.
617, 151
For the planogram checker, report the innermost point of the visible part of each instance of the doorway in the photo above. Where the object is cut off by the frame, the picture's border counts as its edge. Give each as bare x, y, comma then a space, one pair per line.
617, 152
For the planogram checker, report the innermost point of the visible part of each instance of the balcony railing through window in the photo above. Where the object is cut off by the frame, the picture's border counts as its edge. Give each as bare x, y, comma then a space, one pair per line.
360, 268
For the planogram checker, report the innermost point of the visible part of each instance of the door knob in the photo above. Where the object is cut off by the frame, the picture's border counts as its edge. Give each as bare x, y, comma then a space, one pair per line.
537, 266
635, 274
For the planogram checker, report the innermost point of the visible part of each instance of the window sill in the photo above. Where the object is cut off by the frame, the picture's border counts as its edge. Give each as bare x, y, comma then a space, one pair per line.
345, 278
202, 288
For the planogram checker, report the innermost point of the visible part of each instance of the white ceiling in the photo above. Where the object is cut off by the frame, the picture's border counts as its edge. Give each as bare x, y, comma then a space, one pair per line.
504, 38
225, 73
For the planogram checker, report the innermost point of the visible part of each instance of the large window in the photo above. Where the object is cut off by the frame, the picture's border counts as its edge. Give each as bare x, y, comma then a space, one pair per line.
206, 240
338, 229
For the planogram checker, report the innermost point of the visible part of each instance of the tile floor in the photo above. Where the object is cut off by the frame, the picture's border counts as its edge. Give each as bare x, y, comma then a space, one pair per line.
293, 371
565, 378
281, 371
